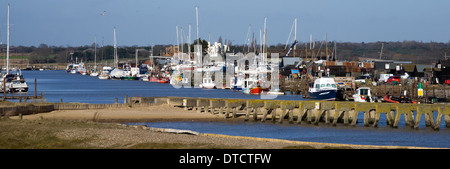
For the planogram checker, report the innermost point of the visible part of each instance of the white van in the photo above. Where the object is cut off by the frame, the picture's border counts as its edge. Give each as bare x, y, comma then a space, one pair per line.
384, 77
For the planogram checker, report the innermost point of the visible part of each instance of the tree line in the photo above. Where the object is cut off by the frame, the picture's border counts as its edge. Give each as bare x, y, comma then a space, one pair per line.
418, 52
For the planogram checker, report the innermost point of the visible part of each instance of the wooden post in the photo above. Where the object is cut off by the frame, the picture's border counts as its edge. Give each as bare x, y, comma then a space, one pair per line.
35, 87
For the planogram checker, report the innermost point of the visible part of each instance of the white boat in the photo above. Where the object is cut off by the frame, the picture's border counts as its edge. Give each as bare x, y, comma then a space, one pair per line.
12, 82
208, 83
94, 74
363, 94
116, 73
18, 84
324, 89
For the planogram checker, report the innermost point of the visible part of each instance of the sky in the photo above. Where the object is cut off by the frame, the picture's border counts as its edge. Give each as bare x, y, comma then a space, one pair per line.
147, 22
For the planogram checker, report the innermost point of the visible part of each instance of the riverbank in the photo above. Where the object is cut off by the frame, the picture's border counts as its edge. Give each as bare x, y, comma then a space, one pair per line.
101, 128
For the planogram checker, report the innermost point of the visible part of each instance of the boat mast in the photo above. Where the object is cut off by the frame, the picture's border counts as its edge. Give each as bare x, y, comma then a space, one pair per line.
7, 46
95, 52
116, 59
295, 34
326, 45
196, 16
189, 43
178, 43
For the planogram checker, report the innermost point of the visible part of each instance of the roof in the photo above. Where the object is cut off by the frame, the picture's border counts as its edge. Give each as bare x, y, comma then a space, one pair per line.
428, 69
409, 67
445, 63
420, 67
291, 61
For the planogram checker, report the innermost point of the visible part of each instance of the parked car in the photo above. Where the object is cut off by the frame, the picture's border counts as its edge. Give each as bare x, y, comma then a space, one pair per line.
362, 79
447, 81
393, 80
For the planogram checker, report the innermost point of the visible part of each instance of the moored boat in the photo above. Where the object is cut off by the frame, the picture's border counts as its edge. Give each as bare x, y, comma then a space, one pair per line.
324, 89
208, 83
363, 94
105, 72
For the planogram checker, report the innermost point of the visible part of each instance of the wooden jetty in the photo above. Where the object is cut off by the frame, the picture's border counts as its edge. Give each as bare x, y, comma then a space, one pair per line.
312, 112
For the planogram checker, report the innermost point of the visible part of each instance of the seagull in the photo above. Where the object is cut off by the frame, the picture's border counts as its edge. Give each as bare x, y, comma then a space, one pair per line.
103, 13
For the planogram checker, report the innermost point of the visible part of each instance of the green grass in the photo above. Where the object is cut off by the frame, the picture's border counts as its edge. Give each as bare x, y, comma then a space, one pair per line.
16, 57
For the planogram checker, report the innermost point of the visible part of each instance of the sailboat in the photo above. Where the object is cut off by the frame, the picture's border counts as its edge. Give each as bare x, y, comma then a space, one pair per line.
12, 82
95, 71
116, 73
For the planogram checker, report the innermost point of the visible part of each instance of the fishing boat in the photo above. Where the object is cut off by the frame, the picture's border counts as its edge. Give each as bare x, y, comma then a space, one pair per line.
324, 89
251, 86
74, 68
163, 80
256, 90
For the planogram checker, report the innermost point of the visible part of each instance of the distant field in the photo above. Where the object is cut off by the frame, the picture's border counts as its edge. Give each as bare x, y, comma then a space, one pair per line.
15, 55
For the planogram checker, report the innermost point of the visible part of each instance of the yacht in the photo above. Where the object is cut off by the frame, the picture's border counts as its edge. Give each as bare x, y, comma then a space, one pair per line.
18, 84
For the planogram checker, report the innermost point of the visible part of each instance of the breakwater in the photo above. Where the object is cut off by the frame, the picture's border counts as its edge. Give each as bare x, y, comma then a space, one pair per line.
314, 112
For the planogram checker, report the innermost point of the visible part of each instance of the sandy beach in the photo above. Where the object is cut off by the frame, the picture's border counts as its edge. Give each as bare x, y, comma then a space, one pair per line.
123, 136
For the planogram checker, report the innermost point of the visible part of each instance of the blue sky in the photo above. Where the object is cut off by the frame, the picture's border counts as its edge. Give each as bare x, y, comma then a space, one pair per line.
146, 22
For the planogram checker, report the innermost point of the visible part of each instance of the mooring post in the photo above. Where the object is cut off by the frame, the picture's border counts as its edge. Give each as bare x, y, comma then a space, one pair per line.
227, 111
283, 112
35, 87
376, 119
355, 117
255, 113
247, 114
234, 112
274, 114
440, 111
266, 111
300, 115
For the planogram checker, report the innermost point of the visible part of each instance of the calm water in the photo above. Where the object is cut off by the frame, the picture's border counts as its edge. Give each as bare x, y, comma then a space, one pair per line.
58, 85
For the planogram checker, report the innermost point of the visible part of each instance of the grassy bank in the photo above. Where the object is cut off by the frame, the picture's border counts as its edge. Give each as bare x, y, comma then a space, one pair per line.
73, 134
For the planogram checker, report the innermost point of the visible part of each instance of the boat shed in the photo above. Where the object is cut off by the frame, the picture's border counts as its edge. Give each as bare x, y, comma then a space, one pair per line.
444, 75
